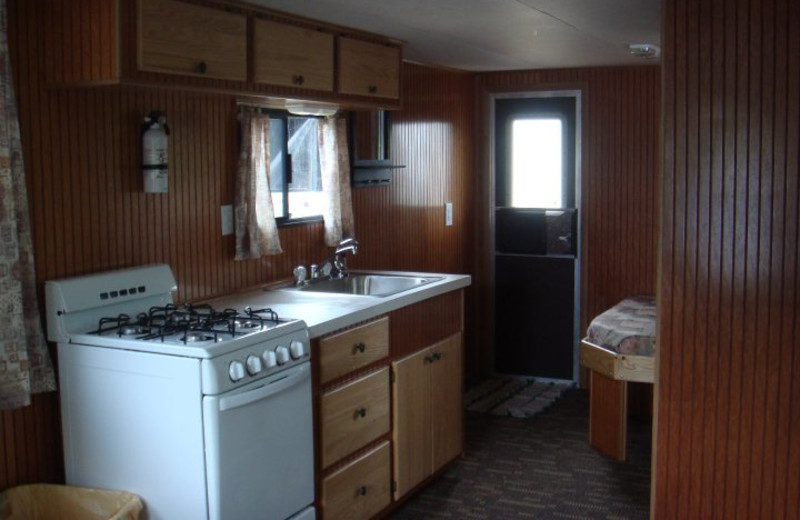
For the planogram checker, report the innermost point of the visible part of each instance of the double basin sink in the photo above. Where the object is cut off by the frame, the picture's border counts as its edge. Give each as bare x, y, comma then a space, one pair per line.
366, 284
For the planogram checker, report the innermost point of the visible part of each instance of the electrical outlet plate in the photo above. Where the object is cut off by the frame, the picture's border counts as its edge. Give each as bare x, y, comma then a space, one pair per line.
448, 214
226, 213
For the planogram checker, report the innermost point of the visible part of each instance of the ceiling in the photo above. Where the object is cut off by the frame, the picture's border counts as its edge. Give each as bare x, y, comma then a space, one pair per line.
485, 35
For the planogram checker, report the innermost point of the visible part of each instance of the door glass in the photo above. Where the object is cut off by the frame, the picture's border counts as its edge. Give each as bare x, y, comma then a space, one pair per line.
536, 169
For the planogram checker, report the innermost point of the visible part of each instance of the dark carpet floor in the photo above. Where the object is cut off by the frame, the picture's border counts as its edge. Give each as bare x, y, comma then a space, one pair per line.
539, 468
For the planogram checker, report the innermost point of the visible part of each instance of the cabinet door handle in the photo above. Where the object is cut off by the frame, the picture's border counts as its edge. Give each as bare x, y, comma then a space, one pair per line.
433, 357
361, 412
362, 490
298, 79
359, 347
372, 89
201, 67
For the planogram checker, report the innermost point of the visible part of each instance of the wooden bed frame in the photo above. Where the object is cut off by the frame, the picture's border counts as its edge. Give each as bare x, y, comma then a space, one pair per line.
609, 374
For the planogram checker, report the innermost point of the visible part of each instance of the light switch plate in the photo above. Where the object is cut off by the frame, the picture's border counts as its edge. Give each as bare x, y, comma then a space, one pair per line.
226, 212
448, 214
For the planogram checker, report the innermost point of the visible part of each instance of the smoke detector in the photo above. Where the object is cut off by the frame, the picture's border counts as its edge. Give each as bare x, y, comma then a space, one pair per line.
644, 50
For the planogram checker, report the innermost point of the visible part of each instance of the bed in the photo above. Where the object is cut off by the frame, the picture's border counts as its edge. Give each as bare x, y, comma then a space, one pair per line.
618, 349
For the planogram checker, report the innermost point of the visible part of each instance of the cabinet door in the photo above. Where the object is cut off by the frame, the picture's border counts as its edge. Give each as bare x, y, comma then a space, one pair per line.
446, 401
368, 69
182, 38
412, 421
292, 56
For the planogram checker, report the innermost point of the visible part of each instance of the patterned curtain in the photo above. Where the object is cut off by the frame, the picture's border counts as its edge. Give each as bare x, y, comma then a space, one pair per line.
25, 366
256, 229
335, 166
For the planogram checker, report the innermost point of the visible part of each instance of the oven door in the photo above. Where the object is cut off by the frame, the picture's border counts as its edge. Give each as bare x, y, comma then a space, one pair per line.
260, 448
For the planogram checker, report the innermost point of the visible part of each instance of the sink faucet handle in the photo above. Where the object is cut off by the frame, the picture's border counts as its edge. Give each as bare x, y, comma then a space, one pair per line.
299, 273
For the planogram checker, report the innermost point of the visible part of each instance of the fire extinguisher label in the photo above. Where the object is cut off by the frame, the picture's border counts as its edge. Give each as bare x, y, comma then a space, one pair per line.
156, 180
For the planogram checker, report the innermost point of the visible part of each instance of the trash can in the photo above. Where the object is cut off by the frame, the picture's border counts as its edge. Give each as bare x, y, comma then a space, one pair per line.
56, 502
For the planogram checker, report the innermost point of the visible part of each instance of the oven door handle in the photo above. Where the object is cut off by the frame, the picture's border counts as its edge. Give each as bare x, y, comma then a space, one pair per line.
267, 390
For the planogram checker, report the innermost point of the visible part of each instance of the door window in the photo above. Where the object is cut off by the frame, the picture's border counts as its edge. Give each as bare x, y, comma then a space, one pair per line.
536, 163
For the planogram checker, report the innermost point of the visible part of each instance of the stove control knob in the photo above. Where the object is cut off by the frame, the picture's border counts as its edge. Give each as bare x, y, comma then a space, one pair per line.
297, 349
236, 371
254, 365
282, 354
269, 358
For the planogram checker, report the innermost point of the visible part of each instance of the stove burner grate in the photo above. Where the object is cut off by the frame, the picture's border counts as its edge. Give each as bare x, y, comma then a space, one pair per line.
193, 323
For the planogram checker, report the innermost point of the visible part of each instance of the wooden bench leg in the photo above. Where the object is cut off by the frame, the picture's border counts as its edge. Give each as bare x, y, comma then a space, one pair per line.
608, 414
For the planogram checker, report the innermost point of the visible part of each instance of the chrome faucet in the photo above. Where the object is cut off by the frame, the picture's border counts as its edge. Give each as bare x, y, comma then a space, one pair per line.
339, 262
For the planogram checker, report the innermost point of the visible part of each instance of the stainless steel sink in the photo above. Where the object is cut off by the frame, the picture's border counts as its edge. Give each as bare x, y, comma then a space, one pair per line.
380, 285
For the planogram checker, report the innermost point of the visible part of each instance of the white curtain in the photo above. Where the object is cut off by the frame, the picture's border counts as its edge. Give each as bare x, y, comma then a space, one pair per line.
25, 366
335, 168
256, 229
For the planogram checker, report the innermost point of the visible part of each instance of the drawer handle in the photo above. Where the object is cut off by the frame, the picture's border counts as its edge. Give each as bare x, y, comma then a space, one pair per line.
362, 490
433, 357
372, 89
359, 347
201, 67
361, 412
298, 79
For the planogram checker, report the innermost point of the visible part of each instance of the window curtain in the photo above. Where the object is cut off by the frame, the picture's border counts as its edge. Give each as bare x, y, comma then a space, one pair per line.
335, 169
256, 229
25, 366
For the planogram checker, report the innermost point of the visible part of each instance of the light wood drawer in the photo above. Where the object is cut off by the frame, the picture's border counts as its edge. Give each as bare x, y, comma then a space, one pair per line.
353, 349
354, 415
360, 489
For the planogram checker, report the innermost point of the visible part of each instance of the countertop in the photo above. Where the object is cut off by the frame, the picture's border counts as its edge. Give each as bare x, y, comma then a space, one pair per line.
328, 312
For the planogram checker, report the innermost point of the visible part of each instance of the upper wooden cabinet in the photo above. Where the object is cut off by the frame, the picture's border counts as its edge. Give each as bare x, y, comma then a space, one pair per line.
226, 47
181, 38
292, 56
368, 69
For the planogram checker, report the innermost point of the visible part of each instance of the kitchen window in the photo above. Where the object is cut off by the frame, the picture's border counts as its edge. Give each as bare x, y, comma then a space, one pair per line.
295, 178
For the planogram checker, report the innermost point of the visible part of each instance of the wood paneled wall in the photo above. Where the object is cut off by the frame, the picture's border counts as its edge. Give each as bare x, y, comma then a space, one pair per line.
619, 180
727, 441
88, 213
401, 226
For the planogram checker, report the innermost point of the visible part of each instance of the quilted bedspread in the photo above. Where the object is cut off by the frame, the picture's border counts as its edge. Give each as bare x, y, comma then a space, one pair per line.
628, 327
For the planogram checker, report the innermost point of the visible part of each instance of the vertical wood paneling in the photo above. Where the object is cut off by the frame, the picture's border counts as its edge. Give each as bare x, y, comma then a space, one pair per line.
82, 153
619, 182
401, 226
728, 395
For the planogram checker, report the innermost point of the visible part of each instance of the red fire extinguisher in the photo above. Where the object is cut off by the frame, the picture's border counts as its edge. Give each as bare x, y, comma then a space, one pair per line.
155, 167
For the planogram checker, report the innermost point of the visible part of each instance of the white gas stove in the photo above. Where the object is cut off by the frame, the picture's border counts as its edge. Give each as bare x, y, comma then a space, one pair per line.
203, 412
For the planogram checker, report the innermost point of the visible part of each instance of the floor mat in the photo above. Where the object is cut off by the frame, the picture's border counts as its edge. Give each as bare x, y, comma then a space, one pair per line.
520, 397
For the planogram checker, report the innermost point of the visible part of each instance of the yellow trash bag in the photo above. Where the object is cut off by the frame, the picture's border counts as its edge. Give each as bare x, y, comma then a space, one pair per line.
54, 502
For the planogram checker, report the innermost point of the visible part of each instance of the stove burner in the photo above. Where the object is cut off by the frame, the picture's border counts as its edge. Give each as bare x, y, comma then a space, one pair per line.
133, 330
194, 336
247, 324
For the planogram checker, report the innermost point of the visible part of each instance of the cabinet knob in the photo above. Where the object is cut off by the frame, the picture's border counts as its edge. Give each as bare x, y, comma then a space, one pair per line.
372, 89
433, 357
298, 79
362, 490
201, 67
359, 347
361, 412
